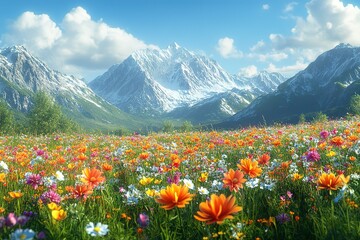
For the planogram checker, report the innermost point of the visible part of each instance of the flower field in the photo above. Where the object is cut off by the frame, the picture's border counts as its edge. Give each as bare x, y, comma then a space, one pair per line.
281, 182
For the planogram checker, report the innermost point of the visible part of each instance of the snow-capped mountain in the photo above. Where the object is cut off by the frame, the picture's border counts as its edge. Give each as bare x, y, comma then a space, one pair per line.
22, 75
326, 85
160, 81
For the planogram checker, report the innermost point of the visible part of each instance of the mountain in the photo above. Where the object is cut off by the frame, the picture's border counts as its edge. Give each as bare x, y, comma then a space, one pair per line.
326, 85
173, 81
22, 75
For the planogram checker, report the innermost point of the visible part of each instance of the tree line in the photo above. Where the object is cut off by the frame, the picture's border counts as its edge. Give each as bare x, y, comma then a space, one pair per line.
44, 117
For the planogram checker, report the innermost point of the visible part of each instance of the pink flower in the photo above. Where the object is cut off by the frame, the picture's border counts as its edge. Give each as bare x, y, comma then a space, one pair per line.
50, 196
34, 180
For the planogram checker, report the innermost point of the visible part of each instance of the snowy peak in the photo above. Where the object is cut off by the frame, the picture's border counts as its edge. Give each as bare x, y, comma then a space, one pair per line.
168, 79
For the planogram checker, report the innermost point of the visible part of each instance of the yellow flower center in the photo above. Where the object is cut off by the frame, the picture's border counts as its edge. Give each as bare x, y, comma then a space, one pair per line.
23, 236
97, 229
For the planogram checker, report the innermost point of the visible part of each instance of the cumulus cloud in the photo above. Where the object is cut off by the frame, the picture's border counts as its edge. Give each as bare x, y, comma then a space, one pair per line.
287, 71
226, 48
249, 71
327, 23
78, 45
265, 7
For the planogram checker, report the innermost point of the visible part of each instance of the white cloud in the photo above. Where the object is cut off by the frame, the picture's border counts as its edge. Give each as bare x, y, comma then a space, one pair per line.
226, 48
290, 7
287, 71
265, 7
249, 71
78, 45
327, 23
38, 31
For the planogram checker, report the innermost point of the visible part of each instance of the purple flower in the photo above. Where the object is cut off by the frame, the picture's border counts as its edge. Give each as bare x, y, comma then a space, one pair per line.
22, 220
175, 179
11, 220
34, 180
50, 196
2, 222
41, 235
143, 220
313, 156
283, 218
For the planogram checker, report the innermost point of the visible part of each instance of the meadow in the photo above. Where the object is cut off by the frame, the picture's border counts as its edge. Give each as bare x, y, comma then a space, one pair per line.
281, 182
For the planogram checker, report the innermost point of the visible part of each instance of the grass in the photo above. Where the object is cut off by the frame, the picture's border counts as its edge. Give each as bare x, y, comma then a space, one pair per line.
282, 201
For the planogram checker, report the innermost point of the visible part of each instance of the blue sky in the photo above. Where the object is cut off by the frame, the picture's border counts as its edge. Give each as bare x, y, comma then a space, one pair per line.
84, 38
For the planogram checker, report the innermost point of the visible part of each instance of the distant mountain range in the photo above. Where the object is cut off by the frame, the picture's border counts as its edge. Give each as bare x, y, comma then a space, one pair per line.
22, 75
174, 83
326, 86
178, 83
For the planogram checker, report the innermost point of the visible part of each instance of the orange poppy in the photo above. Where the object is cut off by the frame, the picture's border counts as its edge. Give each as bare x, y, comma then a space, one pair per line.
234, 180
217, 209
107, 167
174, 196
250, 167
92, 177
338, 141
264, 159
329, 181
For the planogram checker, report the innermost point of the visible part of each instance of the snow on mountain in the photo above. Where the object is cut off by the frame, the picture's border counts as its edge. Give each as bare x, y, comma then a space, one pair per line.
22, 75
326, 85
155, 81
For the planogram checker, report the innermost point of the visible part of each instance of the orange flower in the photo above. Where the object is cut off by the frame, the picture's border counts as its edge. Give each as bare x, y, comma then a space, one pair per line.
329, 181
174, 196
338, 141
217, 209
250, 167
234, 180
92, 177
58, 214
81, 191
107, 167
264, 159
16, 194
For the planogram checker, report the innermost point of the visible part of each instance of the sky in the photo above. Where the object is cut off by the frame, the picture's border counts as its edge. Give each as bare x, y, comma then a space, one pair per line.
85, 38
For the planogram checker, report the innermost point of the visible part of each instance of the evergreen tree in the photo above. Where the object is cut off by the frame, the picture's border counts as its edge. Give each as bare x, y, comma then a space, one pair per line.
7, 120
355, 104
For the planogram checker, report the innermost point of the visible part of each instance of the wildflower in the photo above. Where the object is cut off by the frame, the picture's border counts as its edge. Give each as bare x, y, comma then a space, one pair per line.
34, 180
4, 166
297, 176
217, 209
22, 220
324, 134
58, 215
11, 220
53, 206
264, 159
143, 220
50, 196
234, 180
81, 191
96, 230
337, 141
203, 177
107, 167
175, 179
188, 183
146, 180
313, 156
59, 176
329, 181
16, 194
203, 191
250, 167
283, 218
22, 234
174, 196
2, 177
92, 177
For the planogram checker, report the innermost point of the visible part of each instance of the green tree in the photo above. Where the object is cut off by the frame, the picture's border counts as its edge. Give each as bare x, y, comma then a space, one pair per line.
355, 104
7, 120
186, 126
168, 126
46, 117
320, 117
302, 118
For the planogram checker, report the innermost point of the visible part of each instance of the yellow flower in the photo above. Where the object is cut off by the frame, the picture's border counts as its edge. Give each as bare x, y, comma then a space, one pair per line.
16, 194
331, 154
2, 209
146, 180
53, 206
2, 177
151, 192
297, 176
58, 215
203, 177
329, 181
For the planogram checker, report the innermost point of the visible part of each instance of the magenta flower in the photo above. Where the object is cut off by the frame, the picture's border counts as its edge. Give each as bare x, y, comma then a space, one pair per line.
324, 134
143, 220
50, 196
34, 180
11, 220
313, 156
